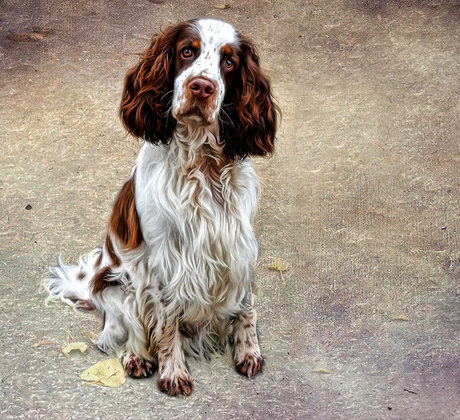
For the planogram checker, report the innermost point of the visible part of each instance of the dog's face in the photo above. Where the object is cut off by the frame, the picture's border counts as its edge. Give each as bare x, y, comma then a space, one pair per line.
206, 58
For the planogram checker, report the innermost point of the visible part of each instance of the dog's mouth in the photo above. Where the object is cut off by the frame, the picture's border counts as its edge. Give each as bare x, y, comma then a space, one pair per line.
196, 112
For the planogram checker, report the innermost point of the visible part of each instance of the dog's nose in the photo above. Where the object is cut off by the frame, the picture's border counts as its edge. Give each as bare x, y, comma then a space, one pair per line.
202, 88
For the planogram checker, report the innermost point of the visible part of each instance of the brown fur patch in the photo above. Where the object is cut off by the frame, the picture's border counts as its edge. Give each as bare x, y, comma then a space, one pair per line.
227, 50
101, 280
211, 168
171, 359
196, 43
98, 262
111, 251
124, 220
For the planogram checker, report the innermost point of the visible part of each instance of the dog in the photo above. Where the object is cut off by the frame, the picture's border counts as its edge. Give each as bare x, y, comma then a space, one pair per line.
174, 274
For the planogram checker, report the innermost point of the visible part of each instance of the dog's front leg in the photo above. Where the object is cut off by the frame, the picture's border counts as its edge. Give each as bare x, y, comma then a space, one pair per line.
174, 377
246, 352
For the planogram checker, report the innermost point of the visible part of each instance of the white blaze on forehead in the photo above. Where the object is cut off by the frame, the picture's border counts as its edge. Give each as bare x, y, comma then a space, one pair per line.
216, 33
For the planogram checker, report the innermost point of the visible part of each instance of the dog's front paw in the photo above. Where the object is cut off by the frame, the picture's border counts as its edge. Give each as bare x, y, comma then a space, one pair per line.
250, 365
176, 384
139, 368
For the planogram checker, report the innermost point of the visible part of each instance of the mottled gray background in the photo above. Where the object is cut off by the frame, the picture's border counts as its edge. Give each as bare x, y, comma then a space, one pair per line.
361, 200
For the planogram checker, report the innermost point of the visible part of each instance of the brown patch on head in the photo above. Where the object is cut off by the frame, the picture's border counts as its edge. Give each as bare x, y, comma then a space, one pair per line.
227, 50
196, 43
124, 220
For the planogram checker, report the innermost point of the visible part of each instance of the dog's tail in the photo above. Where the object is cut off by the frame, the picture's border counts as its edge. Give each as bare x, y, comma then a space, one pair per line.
71, 284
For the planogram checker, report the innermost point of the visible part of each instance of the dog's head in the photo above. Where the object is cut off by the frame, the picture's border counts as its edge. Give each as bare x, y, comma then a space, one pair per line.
201, 73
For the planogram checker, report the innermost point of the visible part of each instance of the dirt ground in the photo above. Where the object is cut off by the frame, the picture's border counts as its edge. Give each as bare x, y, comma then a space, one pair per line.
361, 200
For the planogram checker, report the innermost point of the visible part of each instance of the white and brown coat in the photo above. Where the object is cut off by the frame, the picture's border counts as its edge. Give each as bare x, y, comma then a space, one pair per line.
174, 275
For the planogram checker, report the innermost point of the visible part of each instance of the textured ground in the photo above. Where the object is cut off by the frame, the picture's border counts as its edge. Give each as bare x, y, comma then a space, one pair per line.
362, 200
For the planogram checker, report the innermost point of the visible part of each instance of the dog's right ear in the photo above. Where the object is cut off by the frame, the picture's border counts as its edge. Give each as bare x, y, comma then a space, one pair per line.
148, 89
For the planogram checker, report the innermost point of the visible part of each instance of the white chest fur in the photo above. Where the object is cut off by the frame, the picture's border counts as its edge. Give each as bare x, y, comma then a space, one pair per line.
201, 248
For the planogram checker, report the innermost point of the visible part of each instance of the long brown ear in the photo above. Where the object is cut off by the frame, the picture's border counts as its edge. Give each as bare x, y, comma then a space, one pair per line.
147, 93
249, 117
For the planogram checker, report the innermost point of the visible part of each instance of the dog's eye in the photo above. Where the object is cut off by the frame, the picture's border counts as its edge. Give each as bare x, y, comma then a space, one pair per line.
228, 63
187, 52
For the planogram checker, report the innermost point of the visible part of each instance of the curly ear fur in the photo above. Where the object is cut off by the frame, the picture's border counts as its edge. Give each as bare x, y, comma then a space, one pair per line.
147, 93
249, 120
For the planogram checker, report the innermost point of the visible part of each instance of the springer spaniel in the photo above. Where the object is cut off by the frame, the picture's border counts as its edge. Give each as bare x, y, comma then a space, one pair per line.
174, 274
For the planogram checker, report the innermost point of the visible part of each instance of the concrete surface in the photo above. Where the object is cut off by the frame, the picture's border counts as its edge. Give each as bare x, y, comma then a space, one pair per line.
361, 200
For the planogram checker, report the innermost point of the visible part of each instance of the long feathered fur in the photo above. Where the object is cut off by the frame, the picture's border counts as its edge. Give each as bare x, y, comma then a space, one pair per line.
174, 275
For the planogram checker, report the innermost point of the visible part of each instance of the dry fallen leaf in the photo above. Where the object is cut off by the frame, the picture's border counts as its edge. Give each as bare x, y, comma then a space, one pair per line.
280, 266
106, 373
45, 343
74, 346
322, 370
93, 337
221, 6
401, 318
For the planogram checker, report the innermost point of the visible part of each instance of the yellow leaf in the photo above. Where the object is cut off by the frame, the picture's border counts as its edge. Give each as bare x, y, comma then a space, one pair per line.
401, 318
280, 266
82, 347
91, 336
322, 370
106, 373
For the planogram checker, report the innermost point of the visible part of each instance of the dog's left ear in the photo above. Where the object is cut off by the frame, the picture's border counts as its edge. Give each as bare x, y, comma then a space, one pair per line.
148, 89
249, 114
